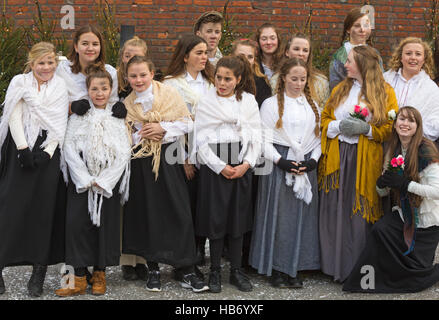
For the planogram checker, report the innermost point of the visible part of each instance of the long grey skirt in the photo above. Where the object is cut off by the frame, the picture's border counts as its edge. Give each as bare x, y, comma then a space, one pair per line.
342, 234
285, 231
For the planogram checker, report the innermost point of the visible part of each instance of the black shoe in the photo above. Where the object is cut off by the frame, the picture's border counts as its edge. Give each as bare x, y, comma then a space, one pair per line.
240, 280
279, 280
129, 273
141, 271
2, 283
215, 281
296, 282
36, 281
191, 281
153, 283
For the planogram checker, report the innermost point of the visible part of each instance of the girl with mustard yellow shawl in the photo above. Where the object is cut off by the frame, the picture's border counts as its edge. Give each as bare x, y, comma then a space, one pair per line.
351, 162
157, 218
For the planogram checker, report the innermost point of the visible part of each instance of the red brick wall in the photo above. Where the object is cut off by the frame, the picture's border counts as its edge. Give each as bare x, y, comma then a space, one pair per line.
160, 22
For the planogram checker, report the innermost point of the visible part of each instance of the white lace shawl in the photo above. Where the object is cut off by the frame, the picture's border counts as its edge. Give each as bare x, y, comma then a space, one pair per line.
297, 151
211, 115
44, 110
103, 142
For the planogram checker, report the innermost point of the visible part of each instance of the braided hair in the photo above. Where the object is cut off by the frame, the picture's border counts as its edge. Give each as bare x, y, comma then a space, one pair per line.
285, 68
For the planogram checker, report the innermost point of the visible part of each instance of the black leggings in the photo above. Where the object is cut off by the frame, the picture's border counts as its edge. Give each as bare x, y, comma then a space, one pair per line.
235, 252
154, 266
82, 272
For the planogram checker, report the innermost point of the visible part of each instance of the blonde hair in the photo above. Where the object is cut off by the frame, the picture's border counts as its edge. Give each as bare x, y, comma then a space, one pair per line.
37, 52
395, 62
285, 68
374, 86
121, 69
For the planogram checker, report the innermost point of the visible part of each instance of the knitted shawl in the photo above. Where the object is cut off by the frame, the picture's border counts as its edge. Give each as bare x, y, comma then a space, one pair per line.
168, 105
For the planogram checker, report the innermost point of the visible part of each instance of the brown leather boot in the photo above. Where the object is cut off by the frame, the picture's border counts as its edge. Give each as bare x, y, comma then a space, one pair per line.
79, 288
99, 286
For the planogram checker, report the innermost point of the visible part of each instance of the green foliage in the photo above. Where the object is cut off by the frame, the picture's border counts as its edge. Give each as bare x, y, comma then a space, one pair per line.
321, 53
43, 29
432, 31
229, 32
105, 17
12, 53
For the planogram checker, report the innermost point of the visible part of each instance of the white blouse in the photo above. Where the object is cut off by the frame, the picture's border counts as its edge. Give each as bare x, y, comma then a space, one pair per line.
76, 82
294, 118
343, 112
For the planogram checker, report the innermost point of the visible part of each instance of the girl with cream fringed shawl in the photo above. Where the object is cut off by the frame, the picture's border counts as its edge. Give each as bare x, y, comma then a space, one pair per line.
97, 152
157, 218
31, 136
191, 73
227, 137
285, 238
352, 157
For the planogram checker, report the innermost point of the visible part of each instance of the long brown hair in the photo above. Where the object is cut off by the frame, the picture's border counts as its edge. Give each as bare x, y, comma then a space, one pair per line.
349, 21
177, 66
240, 68
395, 62
313, 73
285, 68
74, 56
250, 43
419, 147
374, 86
277, 56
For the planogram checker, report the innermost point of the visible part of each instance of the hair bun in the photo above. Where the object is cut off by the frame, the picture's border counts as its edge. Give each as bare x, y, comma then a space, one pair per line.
94, 67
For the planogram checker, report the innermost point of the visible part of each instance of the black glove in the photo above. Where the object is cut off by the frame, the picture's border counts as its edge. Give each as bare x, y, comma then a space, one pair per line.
394, 180
26, 159
310, 165
40, 157
381, 182
80, 107
119, 110
286, 165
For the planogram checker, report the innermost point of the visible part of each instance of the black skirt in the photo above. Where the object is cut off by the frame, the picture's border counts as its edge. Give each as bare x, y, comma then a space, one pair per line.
224, 206
32, 209
87, 244
157, 222
394, 272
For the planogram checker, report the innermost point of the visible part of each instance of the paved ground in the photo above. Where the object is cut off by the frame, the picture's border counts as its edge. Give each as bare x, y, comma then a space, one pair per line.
317, 286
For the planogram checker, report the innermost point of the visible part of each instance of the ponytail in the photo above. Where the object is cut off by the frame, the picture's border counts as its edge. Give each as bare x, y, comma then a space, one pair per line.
240, 68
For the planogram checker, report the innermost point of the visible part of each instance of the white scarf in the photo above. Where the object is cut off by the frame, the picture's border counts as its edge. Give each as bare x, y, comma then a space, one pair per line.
297, 151
102, 139
421, 93
44, 110
190, 96
211, 115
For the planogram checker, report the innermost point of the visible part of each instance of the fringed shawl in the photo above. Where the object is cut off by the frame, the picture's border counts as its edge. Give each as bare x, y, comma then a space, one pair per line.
167, 105
369, 161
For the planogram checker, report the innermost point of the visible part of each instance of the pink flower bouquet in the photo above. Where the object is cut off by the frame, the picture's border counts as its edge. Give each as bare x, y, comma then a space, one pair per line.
360, 112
